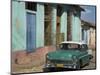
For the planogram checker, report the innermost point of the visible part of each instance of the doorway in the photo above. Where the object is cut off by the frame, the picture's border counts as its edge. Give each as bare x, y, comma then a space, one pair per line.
31, 32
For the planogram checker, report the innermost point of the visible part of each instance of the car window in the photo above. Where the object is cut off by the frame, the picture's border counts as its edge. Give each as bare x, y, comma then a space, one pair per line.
72, 46
69, 46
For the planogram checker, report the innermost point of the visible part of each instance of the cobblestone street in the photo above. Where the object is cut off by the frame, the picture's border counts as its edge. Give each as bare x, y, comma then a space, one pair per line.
92, 64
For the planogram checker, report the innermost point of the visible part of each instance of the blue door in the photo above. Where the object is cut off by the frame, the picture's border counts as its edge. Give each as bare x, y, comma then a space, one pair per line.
31, 32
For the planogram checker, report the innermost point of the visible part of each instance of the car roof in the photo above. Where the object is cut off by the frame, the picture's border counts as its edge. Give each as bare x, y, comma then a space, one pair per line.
80, 43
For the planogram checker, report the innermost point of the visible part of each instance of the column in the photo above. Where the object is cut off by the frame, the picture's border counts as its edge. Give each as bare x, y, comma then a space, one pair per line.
53, 23
63, 22
40, 25
76, 27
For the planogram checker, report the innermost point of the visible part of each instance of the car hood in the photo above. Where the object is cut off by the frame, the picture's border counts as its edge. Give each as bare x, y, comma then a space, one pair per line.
65, 54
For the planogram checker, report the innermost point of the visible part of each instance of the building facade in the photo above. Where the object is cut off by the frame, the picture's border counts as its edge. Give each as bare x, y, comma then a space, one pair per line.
89, 34
37, 24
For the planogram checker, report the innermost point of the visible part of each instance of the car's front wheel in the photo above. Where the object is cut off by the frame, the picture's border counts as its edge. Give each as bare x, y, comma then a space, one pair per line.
78, 65
46, 70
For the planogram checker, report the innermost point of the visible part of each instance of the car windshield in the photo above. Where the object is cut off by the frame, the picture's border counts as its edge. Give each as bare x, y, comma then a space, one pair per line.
68, 46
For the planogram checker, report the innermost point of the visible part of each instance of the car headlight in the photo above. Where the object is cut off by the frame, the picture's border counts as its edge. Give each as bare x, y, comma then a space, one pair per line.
47, 59
49, 64
47, 56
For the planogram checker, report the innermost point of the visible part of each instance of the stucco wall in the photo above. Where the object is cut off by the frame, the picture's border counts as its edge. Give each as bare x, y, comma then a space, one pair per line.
92, 39
18, 26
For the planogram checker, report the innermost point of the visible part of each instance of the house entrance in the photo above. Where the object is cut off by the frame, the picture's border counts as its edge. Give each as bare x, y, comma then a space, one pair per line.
31, 26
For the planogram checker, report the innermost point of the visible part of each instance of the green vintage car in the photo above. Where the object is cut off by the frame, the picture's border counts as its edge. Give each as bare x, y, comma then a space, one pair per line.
72, 55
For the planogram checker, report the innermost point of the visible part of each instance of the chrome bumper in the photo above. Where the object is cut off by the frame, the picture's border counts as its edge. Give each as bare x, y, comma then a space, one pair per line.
71, 66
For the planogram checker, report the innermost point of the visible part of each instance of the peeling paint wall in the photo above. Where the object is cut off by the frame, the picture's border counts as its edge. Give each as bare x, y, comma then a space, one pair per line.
18, 26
